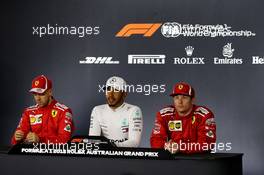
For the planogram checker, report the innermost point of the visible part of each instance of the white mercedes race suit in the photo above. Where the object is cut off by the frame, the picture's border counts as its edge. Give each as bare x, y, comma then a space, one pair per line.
122, 126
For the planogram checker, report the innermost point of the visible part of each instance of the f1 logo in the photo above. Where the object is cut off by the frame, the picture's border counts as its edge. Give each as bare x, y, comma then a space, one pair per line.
147, 30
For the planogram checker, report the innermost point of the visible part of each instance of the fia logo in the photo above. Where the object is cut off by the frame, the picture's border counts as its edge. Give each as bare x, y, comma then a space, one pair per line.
171, 29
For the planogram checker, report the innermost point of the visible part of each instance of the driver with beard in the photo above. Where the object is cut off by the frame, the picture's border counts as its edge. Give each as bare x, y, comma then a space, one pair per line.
117, 120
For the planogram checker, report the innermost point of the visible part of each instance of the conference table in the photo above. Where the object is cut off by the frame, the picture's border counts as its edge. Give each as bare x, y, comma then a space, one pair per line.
165, 163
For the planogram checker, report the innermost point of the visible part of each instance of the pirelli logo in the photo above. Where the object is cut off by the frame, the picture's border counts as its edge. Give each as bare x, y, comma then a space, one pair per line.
145, 29
146, 59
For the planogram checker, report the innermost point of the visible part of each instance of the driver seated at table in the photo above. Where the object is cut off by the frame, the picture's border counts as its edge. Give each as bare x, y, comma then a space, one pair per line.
118, 121
48, 121
184, 127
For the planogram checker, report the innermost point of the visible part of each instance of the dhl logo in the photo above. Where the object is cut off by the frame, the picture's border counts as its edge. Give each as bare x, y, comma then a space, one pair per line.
147, 30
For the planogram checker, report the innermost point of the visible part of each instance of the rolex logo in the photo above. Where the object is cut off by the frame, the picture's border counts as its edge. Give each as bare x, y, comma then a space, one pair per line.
189, 50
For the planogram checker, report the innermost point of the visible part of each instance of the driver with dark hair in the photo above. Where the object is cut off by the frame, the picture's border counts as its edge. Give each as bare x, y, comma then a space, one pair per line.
117, 120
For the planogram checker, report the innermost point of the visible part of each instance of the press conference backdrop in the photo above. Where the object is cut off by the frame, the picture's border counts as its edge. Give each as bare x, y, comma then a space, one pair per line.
34, 43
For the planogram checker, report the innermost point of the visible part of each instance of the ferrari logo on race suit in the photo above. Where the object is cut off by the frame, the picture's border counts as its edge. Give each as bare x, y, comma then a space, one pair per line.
54, 113
35, 119
193, 119
175, 125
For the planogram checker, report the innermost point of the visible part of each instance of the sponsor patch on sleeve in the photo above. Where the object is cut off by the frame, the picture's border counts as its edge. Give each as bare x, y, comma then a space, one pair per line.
68, 116
67, 128
210, 122
210, 134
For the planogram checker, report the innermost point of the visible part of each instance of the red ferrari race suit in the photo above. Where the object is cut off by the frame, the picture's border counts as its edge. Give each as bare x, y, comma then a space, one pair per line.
52, 123
195, 132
